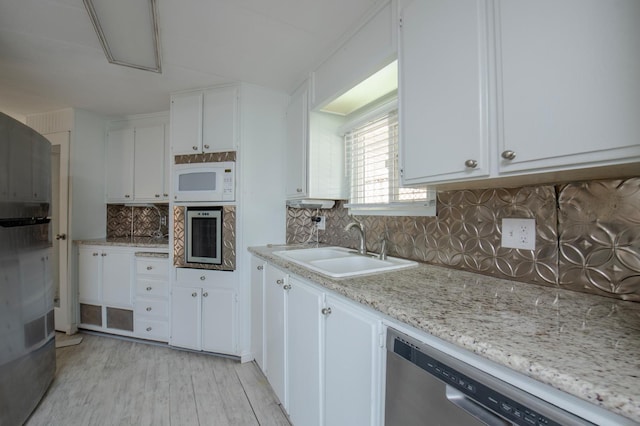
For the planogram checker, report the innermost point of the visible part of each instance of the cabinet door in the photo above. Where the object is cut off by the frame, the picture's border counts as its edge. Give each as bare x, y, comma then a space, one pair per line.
149, 167
116, 278
303, 346
569, 77
443, 91
220, 119
257, 310
120, 165
352, 361
186, 123
274, 331
297, 140
89, 275
219, 321
20, 167
186, 314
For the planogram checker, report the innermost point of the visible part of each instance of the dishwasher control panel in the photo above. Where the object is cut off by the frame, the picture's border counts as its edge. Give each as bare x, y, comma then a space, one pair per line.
504, 400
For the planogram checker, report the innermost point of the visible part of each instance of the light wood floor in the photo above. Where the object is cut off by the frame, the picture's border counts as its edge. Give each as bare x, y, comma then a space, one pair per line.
108, 381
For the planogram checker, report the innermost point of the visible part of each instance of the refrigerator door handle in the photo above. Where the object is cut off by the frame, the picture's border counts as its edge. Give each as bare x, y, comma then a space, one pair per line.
28, 221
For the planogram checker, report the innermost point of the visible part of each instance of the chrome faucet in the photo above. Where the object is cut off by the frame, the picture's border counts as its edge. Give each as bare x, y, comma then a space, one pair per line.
363, 240
383, 249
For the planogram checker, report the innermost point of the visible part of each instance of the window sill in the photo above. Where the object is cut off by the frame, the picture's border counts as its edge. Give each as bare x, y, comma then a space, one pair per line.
423, 208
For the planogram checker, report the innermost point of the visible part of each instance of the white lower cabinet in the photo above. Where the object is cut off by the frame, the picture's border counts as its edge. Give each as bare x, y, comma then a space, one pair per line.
257, 310
151, 313
203, 311
322, 353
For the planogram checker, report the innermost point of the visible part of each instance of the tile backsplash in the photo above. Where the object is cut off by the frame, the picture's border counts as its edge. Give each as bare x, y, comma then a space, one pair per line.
137, 221
587, 234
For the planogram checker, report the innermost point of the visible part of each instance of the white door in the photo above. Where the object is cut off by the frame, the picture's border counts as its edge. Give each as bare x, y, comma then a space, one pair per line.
116, 278
186, 314
64, 297
218, 321
149, 163
257, 310
274, 332
120, 144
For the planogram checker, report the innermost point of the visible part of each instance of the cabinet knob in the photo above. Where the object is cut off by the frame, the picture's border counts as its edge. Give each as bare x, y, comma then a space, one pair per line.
127, 196
157, 195
149, 288
149, 328
94, 254
260, 268
149, 268
195, 148
165, 195
326, 311
471, 164
148, 308
61, 237
298, 189
508, 155
205, 294
103, 254
35, 195
194, 294
287, 287
206, 147
280, 282
202, 278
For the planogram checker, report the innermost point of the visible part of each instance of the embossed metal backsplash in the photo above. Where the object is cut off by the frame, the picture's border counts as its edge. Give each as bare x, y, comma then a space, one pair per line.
587, 234
228, 240
209, 157
128, 221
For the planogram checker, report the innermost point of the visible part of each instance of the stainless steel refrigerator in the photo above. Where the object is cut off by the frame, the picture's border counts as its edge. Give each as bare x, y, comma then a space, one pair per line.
27, 335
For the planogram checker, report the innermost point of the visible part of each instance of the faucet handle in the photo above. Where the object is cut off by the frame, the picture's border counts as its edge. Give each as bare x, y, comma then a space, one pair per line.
383, 249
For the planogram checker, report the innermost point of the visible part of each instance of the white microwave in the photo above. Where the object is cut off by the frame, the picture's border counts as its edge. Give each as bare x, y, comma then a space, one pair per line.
204, 182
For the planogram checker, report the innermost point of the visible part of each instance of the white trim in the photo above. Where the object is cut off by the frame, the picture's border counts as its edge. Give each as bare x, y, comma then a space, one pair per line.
417, 208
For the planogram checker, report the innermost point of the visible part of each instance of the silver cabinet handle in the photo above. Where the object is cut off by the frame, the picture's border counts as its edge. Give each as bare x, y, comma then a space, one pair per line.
260, 268
127, 196
195, 148
103, 254
149, 288
206, 147
202, 278
298, 189
165, 195
326, 311
508, 155
287, 287
149, 328
205, 294
471, 164
194, 294
280, 281
61, 237
148, 308
157, 195
94, 254
149, 268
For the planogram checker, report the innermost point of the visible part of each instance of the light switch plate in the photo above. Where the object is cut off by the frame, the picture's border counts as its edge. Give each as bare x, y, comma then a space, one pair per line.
519, 233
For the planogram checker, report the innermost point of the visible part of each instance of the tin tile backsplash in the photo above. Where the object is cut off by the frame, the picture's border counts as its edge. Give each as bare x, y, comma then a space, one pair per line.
587, 234
137, 221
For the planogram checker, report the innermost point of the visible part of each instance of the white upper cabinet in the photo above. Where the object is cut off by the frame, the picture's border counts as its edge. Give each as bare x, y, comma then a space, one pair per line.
569, 80
149, 167
137, 168
443, 91
297, 141
509, 88
204, 121
120, 165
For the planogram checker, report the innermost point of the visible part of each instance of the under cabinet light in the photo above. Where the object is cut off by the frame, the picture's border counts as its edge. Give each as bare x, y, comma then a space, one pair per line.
128, 32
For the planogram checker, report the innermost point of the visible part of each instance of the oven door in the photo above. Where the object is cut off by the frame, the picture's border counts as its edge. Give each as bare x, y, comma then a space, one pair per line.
204, 235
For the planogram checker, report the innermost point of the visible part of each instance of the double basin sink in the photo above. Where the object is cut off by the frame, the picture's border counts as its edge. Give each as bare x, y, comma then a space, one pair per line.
339, 262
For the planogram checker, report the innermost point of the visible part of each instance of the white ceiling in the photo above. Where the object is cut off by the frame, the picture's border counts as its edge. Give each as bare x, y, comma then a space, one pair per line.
50, 56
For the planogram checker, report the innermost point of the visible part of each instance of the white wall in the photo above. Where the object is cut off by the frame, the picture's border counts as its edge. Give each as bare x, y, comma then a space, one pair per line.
261, 184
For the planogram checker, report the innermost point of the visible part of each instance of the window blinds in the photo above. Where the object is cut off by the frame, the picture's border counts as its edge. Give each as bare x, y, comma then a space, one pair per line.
372, 165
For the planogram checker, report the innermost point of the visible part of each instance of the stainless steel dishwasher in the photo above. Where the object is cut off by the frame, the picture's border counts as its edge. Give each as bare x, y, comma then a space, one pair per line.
428, 387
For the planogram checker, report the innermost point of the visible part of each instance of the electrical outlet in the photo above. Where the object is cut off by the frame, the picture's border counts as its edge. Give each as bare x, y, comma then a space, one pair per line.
321, 223
519, 233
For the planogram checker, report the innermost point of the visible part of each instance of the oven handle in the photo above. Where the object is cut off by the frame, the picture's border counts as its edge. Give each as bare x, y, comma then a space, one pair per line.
476, 410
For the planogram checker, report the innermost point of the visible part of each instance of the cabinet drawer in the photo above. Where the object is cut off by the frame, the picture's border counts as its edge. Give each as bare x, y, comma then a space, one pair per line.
152, 266
152, 288
204, 277
152, 330
151, 307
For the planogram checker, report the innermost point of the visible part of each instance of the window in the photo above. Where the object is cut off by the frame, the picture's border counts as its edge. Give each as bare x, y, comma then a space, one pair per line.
372, 166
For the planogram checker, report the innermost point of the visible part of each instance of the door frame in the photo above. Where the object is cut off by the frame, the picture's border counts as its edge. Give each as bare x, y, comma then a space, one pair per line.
64, 318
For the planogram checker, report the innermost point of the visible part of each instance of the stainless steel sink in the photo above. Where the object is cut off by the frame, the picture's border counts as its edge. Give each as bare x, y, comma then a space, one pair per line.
338, 262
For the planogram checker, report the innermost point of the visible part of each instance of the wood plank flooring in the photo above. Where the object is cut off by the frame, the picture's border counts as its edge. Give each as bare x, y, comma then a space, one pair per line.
109, 381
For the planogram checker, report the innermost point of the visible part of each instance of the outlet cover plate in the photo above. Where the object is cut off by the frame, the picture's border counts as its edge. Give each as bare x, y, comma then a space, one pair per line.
322, 223
519, 233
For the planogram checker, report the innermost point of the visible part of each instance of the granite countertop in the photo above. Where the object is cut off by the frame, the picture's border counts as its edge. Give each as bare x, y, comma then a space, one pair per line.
151, 242
585, 345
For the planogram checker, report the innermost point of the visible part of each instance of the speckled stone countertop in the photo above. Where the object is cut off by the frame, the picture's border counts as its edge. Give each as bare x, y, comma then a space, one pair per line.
128, 242
585, 345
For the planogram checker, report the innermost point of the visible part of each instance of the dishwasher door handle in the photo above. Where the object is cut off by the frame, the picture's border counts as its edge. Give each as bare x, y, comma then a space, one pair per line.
473, 408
